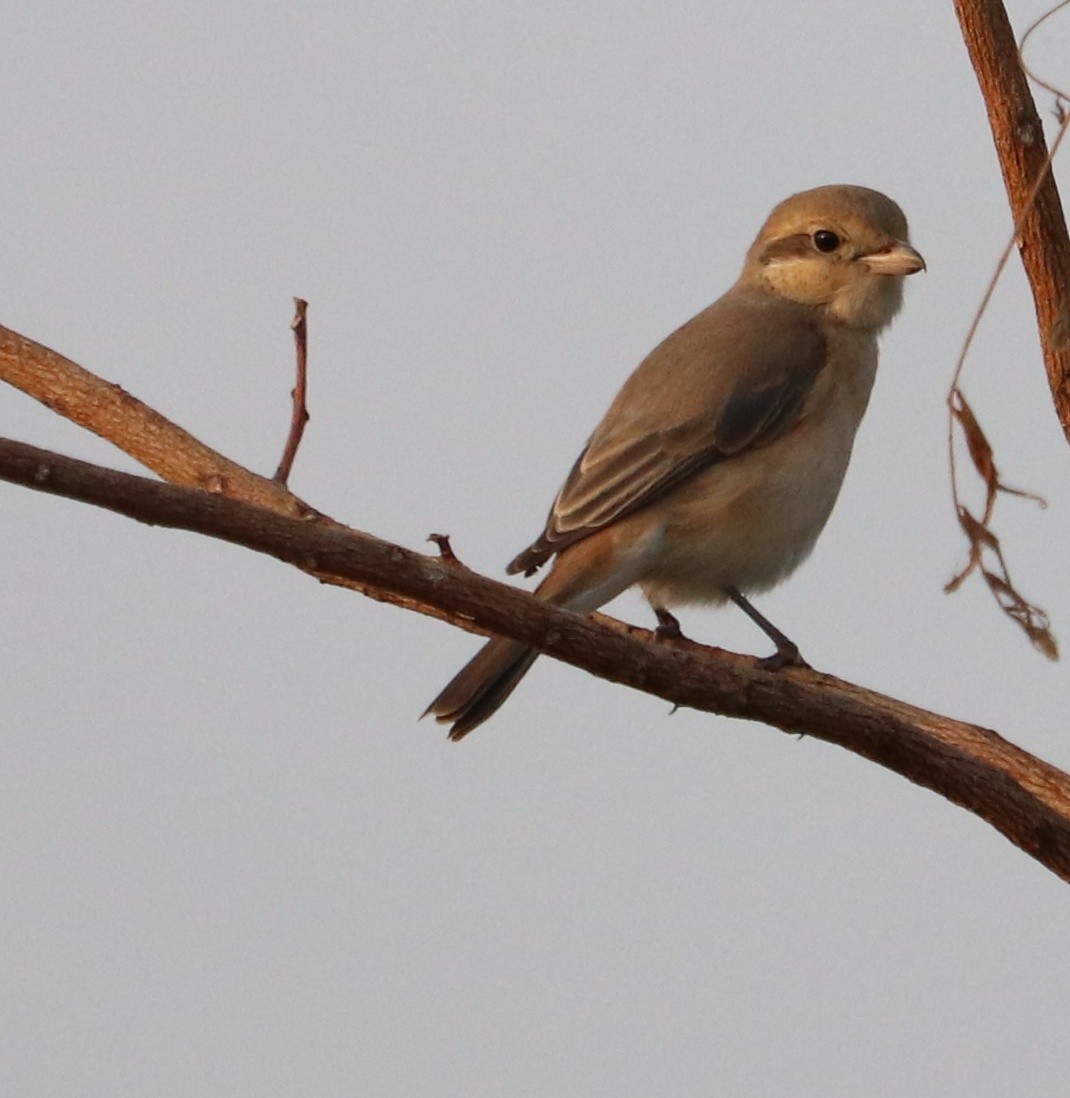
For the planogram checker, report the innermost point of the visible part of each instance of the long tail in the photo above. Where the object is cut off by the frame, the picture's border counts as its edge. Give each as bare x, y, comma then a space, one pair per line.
481, 686
584, 576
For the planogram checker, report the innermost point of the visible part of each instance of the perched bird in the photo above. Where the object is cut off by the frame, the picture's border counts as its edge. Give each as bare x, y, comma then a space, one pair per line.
718, 463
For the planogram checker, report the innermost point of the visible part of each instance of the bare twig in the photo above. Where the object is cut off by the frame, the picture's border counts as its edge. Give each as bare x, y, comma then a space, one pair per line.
299, 417
445, 549
1060, 96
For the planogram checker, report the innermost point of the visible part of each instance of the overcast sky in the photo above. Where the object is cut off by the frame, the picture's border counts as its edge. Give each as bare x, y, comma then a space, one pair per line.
233, 861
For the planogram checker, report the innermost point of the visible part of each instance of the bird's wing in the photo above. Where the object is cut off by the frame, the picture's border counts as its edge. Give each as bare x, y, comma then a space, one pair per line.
732, 379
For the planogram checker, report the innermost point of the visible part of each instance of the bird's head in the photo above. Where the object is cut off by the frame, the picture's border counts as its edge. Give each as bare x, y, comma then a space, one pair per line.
842, 249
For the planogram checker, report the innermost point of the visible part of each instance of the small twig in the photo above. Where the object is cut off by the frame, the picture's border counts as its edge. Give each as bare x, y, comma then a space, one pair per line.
300, 391
445, 550
1060, 96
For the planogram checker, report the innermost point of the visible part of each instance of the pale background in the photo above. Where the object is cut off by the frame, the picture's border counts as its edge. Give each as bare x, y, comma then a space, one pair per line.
232, 861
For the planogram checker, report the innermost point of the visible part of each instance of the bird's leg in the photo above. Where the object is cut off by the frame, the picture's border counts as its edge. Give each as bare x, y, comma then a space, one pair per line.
787, 651
668, 627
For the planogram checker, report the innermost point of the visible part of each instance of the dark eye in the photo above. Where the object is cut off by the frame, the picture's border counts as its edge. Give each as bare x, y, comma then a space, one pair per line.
825, 240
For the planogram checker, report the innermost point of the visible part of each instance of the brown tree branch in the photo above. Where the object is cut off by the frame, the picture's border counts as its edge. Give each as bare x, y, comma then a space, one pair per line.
141, 432
1020, 795
112, 413
1043, 242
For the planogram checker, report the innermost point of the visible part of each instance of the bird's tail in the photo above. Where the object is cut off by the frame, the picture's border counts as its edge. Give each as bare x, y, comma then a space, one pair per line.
585, 576
482, 685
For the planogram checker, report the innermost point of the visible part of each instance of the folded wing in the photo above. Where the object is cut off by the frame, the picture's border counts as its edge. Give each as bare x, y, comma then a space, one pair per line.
732, 379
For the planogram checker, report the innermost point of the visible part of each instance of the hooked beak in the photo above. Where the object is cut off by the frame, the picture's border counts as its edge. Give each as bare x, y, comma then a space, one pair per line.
898, 258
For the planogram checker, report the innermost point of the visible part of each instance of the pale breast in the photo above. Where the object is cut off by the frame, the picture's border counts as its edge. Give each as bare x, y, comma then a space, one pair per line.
750, 521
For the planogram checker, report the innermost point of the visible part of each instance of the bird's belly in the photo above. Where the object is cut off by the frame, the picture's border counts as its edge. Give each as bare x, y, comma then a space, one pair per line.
748, 522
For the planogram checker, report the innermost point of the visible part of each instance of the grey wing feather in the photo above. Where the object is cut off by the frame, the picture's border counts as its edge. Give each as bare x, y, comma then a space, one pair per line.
733, 378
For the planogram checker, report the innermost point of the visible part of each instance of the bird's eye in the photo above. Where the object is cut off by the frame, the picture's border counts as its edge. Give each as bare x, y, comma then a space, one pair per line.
825, 240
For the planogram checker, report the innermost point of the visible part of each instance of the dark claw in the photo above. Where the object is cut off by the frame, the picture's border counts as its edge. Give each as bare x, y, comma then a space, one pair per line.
783, 657
668, 627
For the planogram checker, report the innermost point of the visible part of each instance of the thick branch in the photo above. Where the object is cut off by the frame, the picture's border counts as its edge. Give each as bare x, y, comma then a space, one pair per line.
1023, 797
1019, 138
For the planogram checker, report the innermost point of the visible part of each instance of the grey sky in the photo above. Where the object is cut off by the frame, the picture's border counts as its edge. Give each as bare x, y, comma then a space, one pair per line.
233, 862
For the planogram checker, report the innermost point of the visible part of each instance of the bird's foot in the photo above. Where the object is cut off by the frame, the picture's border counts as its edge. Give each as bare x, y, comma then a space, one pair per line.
668, 627
786, 655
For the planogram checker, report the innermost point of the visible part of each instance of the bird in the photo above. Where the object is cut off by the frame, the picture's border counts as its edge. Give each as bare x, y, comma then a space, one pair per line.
718, 463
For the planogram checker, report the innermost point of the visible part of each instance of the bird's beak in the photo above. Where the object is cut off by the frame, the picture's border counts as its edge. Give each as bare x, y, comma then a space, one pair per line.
899, 258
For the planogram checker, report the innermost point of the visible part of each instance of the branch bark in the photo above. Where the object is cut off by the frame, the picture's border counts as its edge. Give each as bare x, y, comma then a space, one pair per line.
1043, 242
111, 412
1020, 795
